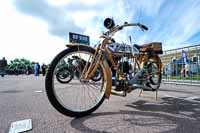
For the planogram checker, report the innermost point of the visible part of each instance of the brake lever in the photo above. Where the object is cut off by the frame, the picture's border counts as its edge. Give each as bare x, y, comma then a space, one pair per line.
120, 28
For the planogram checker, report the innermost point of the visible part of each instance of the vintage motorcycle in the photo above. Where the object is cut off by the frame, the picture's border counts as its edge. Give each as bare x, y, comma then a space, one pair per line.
124, 68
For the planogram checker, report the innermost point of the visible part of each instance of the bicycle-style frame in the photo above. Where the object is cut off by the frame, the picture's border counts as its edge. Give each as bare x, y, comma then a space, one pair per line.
102, 56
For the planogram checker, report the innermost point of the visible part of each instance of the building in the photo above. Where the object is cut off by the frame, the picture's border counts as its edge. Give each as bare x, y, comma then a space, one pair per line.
175, 60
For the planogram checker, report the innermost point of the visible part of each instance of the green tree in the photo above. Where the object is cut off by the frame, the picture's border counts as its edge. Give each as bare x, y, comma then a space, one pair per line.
20, 65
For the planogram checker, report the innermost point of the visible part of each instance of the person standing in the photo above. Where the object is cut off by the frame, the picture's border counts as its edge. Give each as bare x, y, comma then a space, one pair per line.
183, 72
43, 69
35, 69
3, 65
187, 70
38, 69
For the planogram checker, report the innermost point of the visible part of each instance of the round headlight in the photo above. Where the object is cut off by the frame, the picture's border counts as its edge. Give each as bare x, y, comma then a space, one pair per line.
109, 23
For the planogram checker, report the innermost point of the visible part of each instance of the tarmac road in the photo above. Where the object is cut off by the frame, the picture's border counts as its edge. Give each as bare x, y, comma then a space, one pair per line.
177, 110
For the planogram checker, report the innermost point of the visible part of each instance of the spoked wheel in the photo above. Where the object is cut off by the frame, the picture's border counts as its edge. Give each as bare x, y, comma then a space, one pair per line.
77, 98
155, 78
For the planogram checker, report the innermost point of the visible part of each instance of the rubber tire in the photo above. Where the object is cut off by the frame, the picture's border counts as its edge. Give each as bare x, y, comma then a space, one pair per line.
50, 91
159, 82
152, 82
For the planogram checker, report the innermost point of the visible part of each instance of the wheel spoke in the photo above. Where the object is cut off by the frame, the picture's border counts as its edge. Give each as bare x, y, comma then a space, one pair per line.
76, 95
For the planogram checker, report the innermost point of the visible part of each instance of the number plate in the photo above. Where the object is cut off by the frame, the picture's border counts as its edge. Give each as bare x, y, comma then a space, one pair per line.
77, 38
21, 126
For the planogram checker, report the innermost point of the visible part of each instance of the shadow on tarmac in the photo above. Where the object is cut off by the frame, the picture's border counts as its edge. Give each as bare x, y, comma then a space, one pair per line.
168, 116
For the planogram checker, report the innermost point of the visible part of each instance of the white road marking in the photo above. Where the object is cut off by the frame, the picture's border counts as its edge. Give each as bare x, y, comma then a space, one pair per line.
170, 96
39, 91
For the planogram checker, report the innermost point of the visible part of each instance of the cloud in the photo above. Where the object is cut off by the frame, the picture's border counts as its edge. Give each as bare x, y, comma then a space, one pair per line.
82, 17
24, 36
176, 22
171, 22
57, 18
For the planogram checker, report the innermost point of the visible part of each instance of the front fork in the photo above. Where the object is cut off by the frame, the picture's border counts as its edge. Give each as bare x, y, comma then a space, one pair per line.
88, 72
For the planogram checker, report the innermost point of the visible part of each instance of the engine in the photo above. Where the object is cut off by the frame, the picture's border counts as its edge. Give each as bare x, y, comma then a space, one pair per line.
123, 77
122, 74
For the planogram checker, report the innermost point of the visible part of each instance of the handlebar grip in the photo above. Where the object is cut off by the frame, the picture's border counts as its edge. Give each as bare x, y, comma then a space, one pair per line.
144, 27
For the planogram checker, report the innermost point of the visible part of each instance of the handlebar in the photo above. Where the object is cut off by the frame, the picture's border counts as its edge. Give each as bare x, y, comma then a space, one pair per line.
118, 28
143, 27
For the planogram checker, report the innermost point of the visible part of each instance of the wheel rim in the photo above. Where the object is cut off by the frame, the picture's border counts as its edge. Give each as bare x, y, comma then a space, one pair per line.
154, 80
78, 96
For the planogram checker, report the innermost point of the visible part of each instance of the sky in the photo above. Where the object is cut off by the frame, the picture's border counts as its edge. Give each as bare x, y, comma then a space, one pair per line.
38, 29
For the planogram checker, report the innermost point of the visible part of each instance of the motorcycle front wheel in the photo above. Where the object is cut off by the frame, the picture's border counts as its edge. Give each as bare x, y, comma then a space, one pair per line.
77, 98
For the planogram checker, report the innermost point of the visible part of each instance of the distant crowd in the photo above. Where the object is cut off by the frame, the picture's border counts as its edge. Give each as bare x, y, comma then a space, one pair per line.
37, 69
16, 68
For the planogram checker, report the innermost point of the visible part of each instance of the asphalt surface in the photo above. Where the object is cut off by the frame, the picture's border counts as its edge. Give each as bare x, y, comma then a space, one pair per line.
177, 110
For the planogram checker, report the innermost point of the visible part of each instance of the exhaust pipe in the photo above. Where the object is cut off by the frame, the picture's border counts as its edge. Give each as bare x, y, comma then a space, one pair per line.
118, 93
141, 86
134, 86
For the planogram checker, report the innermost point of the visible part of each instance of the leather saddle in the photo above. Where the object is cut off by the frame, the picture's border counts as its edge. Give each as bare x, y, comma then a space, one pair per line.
155, 46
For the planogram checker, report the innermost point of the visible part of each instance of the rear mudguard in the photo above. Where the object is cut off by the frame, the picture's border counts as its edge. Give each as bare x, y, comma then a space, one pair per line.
106, 68
156, 58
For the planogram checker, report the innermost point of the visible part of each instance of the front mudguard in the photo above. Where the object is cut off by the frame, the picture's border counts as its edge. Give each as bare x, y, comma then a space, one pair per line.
79, 45
106, 68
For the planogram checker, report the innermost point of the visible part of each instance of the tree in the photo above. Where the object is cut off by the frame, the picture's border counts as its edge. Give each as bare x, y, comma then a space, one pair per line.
20, 66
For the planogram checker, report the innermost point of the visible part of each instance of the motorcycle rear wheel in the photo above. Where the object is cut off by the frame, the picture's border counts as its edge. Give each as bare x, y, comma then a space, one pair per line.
156, 75
77, 98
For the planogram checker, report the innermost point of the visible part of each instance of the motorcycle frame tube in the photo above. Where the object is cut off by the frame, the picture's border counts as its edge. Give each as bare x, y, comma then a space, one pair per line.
142, 59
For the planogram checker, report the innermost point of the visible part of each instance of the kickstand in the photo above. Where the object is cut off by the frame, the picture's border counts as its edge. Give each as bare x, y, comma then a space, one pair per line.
156, 94
142, 91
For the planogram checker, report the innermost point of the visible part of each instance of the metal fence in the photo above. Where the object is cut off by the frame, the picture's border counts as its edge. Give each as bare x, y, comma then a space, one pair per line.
182, 66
